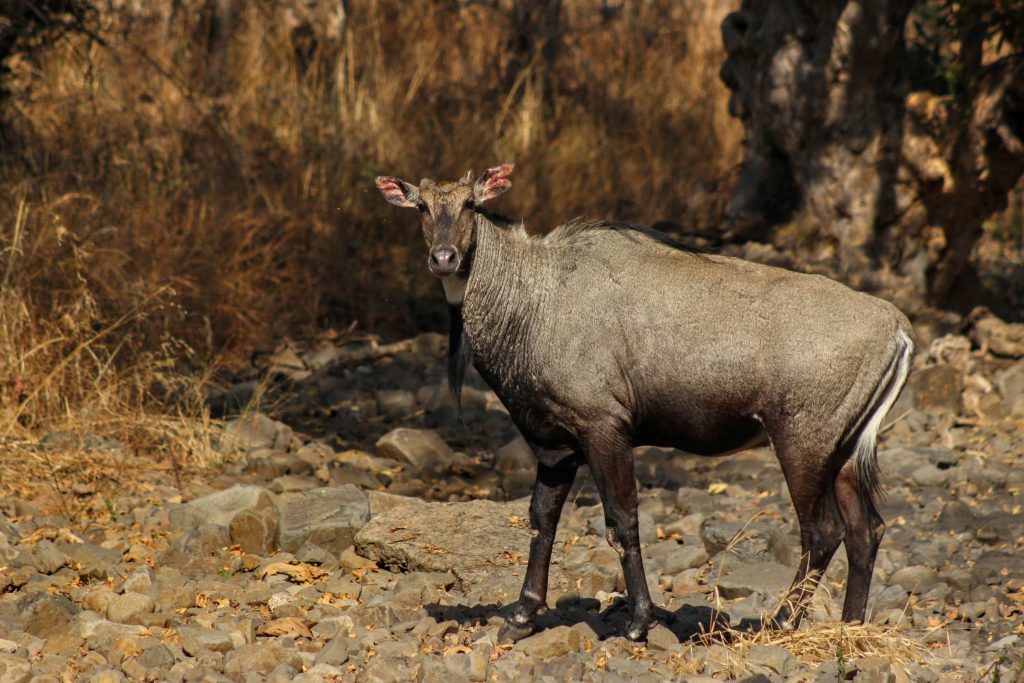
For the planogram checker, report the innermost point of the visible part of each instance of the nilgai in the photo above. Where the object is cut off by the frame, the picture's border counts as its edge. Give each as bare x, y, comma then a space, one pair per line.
602, 336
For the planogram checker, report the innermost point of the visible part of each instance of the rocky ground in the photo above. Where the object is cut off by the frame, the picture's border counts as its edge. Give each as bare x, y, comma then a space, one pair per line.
365, 534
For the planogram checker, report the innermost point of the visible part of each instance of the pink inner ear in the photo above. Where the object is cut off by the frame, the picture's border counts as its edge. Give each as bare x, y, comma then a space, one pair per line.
393, 191
495, 180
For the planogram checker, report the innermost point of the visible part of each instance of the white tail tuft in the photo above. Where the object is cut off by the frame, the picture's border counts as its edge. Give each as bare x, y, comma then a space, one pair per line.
865, 450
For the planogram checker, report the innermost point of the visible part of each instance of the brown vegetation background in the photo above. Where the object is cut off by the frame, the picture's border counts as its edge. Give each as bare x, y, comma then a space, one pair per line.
169, 202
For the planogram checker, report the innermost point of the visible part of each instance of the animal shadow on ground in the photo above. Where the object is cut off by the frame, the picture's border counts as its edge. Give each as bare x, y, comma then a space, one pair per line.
686, 623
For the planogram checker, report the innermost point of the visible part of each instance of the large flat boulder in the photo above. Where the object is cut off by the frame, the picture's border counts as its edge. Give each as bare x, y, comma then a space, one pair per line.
328, 517
479, 541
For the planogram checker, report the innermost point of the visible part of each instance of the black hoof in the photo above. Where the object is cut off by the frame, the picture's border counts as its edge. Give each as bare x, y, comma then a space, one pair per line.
511, 632
636, 632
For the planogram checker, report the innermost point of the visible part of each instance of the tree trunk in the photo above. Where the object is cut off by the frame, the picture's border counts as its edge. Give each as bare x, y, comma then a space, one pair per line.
843, 164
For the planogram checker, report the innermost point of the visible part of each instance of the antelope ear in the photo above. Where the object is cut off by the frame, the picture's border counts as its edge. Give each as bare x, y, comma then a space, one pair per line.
398, 192
493, 182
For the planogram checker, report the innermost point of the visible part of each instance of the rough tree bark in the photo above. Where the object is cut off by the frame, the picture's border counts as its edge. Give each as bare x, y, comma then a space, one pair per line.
895, 184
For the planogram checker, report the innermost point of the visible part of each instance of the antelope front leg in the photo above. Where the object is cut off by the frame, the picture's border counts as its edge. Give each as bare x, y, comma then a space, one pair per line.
611, 465
549, 494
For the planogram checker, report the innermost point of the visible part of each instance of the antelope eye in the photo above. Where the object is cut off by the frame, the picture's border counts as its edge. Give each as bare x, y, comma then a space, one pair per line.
470, 204
422, 207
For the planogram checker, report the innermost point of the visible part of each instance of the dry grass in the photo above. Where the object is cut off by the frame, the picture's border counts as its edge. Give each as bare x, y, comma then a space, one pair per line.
157, 214
163, 209
815, 644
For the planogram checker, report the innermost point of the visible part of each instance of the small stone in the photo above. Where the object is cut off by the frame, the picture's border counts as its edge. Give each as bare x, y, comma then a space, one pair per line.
552, 642
515, 455
92, 561
255, 529
421, 448
139, 581
195, 640
776, 658
956, 516
255, 431
471, 666
684, 557
930, 475
156, 658
45, 615
205, 540
127, 608
47, 558
381, 501
1011, 384
661, 638
329, 517
763, 578
396, 403
937, 388
219, 508
336, 651
261, 658
914, 579
352, 560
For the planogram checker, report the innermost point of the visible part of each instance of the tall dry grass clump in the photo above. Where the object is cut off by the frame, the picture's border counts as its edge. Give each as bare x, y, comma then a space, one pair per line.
178, 186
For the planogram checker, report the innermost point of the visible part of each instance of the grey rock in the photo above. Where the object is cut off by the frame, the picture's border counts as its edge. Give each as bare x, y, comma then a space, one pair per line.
46, 557
1011, 384
256, 529
396, 403
106, 676
421, 448
7, 530
311, 553
328, 517
261, 658
763, 578
759, 541
552, 642
139, 581
92, 561
1009, 642
682, 558
205, 540
14, 669
480, 541
156, 658
335, 652
661, 638
515, 455
219, 508
127, 608
890, 597
195, 640
776, 658
956, 516
255, 431
930, 475
471, 666
937, 388
45, 615
690, 500
914, 579
381, 501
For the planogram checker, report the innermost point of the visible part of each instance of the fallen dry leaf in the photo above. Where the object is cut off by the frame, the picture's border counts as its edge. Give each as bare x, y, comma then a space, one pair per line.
302, 572
285, 626
716, 488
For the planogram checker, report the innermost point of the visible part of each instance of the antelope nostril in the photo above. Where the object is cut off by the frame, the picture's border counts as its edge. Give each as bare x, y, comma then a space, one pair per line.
442, 256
